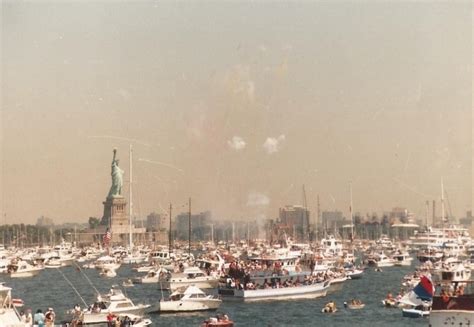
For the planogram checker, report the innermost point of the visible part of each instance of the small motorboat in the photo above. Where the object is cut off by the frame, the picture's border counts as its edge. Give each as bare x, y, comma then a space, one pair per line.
127, 283
330, 307
108, 272
389, 303
134, 320
354, 304
218, 321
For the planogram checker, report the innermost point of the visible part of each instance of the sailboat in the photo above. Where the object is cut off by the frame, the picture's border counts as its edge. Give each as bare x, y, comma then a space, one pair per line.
419, 300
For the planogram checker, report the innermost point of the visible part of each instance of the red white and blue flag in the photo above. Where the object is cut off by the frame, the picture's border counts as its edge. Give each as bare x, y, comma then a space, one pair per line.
107, 236
425, 289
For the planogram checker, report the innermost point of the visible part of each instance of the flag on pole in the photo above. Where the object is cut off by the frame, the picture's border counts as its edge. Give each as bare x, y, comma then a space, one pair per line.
107, 236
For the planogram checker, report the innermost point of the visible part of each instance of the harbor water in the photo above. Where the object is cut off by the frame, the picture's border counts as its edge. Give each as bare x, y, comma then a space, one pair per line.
52, 288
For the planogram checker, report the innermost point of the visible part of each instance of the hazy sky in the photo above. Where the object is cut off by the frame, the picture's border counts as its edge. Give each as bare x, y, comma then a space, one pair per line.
236, 105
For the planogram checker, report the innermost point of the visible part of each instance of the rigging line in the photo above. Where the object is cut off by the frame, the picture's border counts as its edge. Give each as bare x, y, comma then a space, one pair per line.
90, 282
75, 290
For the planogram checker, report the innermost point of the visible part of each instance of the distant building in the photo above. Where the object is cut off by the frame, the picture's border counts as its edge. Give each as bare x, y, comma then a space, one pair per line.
153, 221
200, 225
467, 221
44, 222
332, 220
295, 220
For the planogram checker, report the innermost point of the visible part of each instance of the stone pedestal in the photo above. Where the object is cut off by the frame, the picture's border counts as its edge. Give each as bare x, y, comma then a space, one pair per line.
115, 213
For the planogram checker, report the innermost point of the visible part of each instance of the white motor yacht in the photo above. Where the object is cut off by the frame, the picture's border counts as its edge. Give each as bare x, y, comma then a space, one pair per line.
23, 269
190, 276
115, 303
383, 261
57, 260
192, 299
402, 259
152, 276
107, 262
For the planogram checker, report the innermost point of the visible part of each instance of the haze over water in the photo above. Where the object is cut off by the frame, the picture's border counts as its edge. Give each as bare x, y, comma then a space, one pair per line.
236, 105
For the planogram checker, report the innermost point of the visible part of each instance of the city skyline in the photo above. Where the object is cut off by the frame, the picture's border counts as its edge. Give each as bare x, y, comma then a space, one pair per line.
237, 117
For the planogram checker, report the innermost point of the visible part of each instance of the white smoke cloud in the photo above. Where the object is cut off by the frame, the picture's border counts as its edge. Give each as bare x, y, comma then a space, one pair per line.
255, 199
272, 144
237, 143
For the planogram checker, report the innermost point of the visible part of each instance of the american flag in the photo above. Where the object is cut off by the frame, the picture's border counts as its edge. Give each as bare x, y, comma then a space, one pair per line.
107, 236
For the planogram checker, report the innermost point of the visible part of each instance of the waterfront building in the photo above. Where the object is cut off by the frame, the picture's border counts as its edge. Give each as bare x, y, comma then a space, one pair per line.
295, 220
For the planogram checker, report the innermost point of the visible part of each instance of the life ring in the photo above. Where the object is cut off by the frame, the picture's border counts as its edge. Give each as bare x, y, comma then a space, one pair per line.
18, 303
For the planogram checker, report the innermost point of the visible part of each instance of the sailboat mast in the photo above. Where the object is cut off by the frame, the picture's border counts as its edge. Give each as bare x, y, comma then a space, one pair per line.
189, 228
352, 216
212, 234
130, 208
442, 202
305, 217
169, 234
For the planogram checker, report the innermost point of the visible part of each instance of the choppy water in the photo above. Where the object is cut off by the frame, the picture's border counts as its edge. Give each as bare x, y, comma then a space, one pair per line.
51, 289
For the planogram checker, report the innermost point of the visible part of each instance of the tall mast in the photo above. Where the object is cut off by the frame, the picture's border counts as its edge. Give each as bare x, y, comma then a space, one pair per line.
427, 212
305, 217
189, 228
442, 202
350, 212
130, 208
318, 217
212, 234
169, 234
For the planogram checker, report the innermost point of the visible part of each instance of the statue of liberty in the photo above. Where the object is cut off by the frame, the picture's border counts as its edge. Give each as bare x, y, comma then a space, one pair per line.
117, 178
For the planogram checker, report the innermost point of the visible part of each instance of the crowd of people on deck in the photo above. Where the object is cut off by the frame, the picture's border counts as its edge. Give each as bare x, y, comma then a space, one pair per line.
239, 277
40, 319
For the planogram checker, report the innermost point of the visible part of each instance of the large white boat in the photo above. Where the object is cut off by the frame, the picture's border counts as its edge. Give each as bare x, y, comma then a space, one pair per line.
190, 276
151, 277
58, 260
454, 310
331, 246
23, 269
192, 299
456, 273
336, 283
115, 303
107, 262
381, 260
310, 291
8, 314
402, 259
437, 237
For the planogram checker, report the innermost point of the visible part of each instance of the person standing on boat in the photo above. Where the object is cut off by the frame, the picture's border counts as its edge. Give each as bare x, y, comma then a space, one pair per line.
39, 318
28, 318
50, 316
110, 319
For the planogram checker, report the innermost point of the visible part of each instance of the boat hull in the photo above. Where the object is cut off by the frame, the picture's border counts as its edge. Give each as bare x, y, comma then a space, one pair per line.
413, 313
101, 317
285, 293
188, 305
441, 318
25, 274
202, 284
